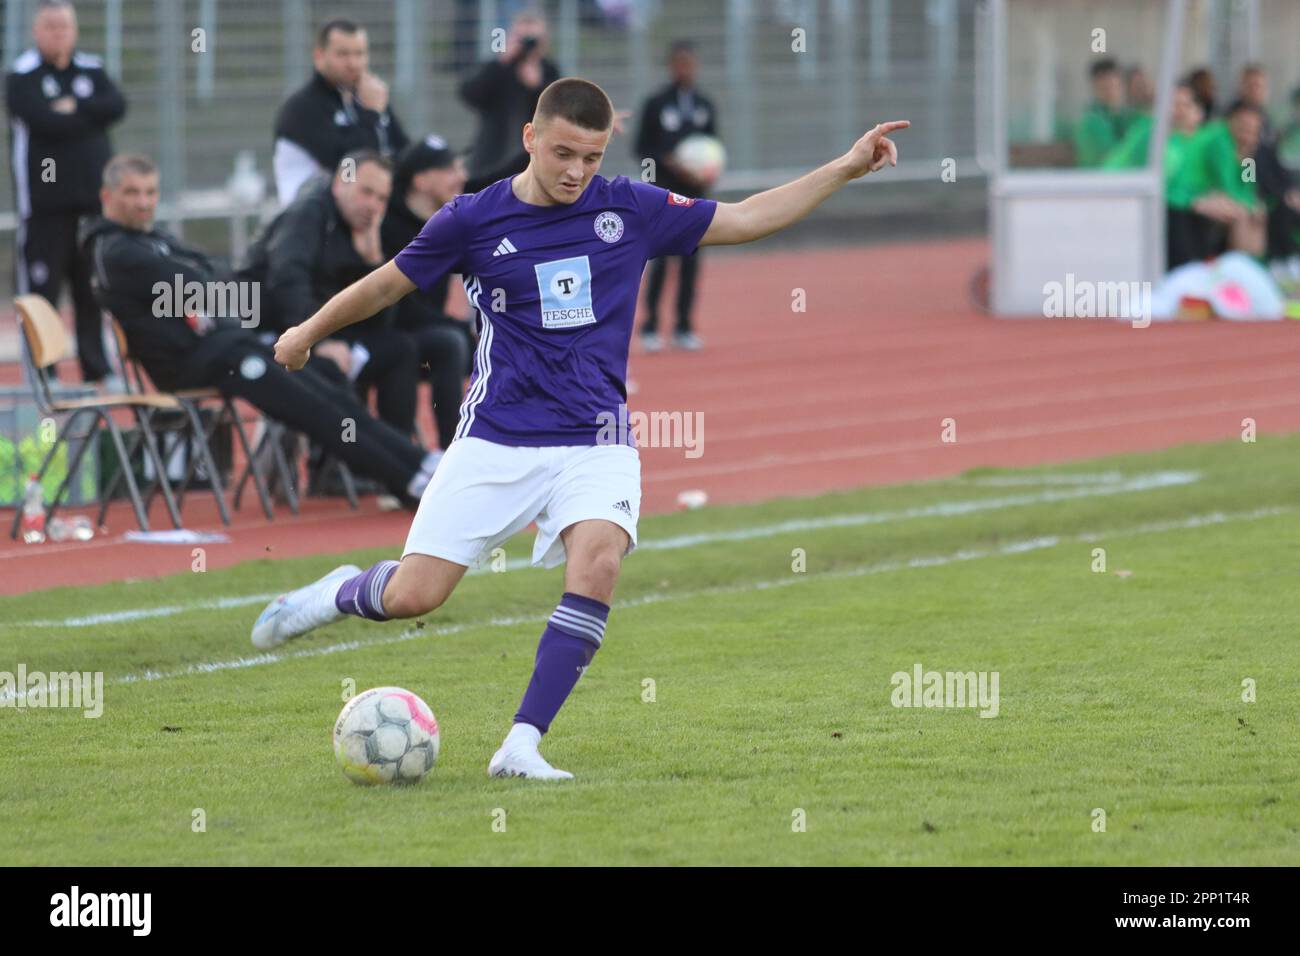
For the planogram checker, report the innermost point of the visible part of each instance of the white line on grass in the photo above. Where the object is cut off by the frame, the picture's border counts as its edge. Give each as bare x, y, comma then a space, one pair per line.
932, 561
942, 509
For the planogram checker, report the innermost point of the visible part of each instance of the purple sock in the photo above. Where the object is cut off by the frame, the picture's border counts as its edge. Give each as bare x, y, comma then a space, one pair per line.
363, 595
571, 639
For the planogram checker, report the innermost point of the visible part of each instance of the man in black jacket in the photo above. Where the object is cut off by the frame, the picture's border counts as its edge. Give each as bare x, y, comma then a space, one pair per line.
343, 108
61, 103
667, 118
138, 270
504, 92
324, 241
429, 175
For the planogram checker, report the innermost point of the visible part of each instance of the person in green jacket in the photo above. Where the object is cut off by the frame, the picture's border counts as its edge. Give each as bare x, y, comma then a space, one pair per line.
1223, 183
1187, 232
1102, 124
1139, 96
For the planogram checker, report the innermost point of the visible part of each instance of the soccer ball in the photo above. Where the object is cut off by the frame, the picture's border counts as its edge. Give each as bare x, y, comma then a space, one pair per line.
703, 155
386, 735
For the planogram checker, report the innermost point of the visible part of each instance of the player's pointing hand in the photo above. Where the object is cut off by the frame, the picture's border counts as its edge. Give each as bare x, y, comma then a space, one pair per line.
875, 149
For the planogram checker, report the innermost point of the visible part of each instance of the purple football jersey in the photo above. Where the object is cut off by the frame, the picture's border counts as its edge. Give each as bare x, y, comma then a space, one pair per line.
554, 289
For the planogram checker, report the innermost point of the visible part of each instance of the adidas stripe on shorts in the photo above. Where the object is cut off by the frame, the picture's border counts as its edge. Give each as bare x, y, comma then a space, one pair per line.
484, 493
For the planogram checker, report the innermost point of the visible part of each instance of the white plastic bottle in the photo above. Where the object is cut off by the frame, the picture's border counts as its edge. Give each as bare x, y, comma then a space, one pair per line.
33, 512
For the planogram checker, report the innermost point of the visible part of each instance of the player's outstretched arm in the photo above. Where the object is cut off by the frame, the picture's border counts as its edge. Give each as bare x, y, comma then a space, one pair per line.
359, 301
772, 210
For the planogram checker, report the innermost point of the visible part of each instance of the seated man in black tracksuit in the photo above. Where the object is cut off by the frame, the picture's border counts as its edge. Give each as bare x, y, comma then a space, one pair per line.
137, 269
429, 175
323, 242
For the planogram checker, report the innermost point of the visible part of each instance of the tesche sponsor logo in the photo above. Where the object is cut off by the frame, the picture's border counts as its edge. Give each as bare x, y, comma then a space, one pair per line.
951, 689
178, 298
1082, 299
653, 430
102, 909
78, 690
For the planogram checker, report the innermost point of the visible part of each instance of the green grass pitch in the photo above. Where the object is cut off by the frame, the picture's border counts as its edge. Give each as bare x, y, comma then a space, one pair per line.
741, 710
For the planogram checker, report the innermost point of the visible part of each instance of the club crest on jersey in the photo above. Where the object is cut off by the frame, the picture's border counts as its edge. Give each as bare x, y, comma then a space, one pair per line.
564, 288
677, 199
609, 226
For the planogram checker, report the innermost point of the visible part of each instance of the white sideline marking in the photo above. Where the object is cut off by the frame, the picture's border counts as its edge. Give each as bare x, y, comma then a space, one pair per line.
942, 509
1017, 481
1144, 482
933, 561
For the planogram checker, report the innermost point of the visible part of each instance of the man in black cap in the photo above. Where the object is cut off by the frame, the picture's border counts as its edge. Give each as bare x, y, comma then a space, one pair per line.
344, 107
429, 175
61, 104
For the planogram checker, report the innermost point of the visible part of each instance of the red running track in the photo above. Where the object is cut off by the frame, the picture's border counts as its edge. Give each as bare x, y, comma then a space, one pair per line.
853, 391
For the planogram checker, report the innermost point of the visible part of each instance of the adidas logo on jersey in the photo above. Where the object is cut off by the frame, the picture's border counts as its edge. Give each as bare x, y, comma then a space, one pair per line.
504, 248
624, 507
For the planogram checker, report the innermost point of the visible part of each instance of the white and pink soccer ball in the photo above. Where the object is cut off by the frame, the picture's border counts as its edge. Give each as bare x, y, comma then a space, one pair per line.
386, 735
703, 156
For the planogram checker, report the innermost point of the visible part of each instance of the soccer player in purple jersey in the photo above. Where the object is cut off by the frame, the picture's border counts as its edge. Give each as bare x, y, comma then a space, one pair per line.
551, 260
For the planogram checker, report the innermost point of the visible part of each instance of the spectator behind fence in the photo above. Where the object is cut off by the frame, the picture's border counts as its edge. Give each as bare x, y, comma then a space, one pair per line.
1187, 232
344, 107
1139, 94
324, 241
429, 175
60, 103
130, 257
667, 117
504, 92
1277, 183
1252, 89
1222, 192
1103, 123
1288, 144
1203, 86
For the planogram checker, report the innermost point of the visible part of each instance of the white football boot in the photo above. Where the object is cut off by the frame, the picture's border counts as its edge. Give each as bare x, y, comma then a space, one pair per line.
294, 614
519, 757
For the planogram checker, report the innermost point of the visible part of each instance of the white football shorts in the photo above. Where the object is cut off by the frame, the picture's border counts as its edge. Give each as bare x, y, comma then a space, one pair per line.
484, 493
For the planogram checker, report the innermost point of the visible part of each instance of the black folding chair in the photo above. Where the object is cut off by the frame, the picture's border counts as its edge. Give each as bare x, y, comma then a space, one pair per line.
192, 402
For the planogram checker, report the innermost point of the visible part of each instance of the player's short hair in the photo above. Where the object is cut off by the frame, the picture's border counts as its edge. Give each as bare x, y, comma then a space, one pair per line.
1102, 67
1250, 69
124, 163
359, 157
340, 24
579, 101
